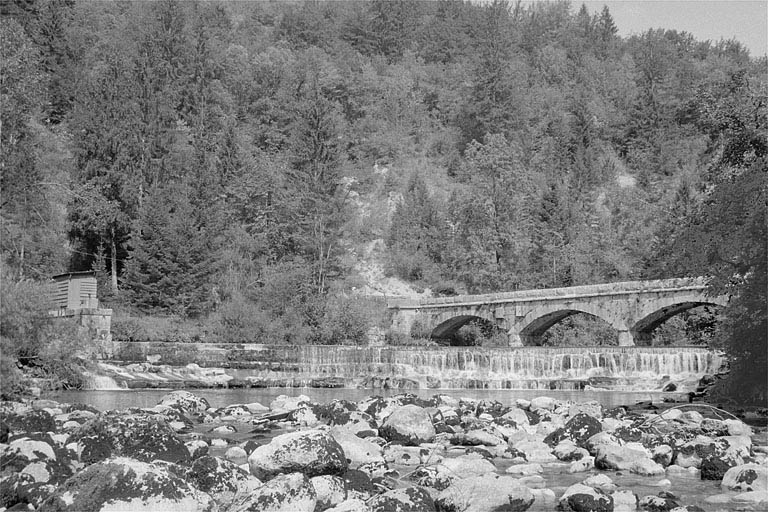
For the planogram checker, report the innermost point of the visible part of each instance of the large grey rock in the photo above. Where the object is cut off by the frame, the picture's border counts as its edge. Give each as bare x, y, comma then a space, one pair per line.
465, 466
477, 437
312, 452
330, 490
356, 450
409, 499
144, 437
618, 457
408, 425
221, 479
582, 498
601, 439
488, 493
186, 402
285, 493
746, 477
405, 455
127, 484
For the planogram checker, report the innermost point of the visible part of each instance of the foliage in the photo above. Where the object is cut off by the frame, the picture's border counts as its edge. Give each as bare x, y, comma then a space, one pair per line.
222, 162
34, 341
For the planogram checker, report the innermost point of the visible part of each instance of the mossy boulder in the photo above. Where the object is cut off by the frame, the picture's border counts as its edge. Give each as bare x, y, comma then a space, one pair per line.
127, 484
144, 437
312, 452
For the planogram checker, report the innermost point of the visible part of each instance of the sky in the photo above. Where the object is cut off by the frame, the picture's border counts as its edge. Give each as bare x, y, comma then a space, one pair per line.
744, 20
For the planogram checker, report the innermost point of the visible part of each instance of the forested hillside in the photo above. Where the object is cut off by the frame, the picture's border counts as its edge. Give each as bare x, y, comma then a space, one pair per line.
230, 162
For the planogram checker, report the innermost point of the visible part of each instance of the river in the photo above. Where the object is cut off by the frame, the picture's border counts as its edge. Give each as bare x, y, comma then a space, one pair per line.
121, 399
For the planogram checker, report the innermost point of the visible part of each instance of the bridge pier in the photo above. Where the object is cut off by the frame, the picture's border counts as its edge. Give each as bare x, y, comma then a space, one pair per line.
626, 339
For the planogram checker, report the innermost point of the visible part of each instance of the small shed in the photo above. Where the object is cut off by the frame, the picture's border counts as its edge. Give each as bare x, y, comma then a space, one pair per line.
76, 290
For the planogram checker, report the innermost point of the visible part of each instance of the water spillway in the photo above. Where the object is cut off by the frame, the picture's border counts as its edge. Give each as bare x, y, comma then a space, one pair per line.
625, 368
566, 368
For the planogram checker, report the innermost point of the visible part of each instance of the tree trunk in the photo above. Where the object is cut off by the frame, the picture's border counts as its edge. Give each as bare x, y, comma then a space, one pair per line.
113, 270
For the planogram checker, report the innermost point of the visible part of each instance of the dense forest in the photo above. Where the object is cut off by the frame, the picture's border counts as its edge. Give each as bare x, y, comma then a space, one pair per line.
226, 164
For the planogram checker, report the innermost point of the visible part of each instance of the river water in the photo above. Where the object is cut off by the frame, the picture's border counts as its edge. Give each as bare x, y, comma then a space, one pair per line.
121, 399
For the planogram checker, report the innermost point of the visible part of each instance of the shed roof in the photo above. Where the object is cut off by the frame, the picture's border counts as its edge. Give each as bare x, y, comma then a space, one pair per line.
81, 273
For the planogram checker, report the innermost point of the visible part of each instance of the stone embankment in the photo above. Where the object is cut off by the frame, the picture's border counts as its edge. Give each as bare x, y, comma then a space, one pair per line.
401, 453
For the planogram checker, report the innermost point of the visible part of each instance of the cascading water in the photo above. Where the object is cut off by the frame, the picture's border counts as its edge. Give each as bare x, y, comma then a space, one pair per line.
615, 368
101, 382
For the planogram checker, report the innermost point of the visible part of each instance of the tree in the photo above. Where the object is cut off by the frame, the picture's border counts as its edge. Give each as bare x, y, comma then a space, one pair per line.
493, 219
171, 255
726, 237
28, 189
315, 156
416, 234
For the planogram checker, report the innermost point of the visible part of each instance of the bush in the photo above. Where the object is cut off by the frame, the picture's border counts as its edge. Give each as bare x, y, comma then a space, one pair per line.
126, 327
31, 340
345, 322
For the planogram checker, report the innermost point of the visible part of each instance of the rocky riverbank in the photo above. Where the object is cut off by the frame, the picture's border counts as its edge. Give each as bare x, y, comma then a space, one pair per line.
398, 454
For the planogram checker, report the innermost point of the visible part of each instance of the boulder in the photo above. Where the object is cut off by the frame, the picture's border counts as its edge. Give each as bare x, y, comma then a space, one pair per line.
221, 479
601, 439
662, 454
127, 484
16, 490
618, 457
236, 455
646, 467
567, 451
40, 458
312, 452
600, 481
579, 466
350, 505
284, 493
624, 501
658, 503
582, 498
288, 403
330, 490
143, 437
535, 451
408, 425
465, 466
544, 402
592, 408
578, 429
196, 448
186, 402
485, 494
356, 450
737, 428
409, 499
516, 415
477, 437
405, 455
30, 421
746, 477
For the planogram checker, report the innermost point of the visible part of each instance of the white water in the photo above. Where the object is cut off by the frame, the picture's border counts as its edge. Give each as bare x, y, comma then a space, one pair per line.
534, 368
101, 382
619, 368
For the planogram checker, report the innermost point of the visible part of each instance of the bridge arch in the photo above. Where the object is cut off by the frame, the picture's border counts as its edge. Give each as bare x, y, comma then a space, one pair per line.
534, 324
447, 328
643, 329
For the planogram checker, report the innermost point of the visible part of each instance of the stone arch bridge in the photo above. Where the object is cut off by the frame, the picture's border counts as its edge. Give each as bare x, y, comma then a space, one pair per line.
633, 308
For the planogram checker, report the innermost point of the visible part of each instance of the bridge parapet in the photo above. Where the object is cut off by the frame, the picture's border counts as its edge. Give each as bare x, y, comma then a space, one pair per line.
592, 290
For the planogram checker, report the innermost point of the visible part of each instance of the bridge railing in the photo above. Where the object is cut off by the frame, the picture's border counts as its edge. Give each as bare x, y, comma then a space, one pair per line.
624, 287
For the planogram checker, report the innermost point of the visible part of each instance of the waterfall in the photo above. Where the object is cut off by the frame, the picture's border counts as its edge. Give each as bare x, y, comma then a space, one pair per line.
101, 382
615, 368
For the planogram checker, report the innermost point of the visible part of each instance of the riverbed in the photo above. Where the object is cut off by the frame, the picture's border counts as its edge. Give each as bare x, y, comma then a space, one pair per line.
687, 487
